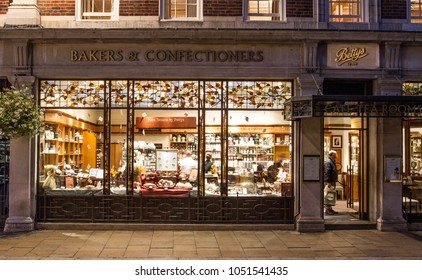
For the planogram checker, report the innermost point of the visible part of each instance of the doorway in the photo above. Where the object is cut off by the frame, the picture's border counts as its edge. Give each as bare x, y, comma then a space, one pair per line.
348, 137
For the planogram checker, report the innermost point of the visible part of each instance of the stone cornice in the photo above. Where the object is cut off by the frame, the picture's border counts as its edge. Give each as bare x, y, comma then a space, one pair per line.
205, 35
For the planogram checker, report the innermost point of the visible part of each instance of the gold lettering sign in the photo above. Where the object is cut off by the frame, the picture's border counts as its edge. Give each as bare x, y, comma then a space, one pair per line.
159, 55
350, 55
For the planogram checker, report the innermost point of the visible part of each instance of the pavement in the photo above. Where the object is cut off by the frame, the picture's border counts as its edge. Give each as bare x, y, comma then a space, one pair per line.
67, 244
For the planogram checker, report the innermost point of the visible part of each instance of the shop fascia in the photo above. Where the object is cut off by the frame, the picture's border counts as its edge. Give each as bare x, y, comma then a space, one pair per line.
165, 55
358, 106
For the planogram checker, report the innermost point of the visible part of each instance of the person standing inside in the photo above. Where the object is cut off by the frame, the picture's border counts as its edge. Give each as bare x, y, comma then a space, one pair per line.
330, 178
208, 162
187, 163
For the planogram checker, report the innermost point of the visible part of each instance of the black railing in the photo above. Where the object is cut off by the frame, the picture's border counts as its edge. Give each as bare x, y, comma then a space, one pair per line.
412, 203
4, 180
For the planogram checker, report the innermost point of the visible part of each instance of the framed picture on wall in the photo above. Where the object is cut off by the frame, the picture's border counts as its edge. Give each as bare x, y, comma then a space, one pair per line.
336, 141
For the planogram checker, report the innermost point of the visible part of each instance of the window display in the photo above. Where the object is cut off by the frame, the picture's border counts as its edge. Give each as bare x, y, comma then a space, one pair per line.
132, 146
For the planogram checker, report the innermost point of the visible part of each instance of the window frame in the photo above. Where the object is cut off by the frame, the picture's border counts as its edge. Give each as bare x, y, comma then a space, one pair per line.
281, 15
114, 14
199, 12
414, 19
362, 18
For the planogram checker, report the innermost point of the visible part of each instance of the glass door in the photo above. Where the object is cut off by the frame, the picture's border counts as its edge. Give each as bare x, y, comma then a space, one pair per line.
348, 137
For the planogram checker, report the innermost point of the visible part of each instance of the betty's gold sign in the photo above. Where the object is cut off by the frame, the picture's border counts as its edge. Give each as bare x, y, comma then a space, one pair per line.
359, 56
350, 55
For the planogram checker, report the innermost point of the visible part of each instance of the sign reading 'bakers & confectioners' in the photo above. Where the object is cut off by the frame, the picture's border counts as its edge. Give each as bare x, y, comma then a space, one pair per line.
161, 55
350, 55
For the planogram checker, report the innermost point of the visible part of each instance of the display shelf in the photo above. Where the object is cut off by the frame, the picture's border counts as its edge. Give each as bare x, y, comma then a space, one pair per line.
184, 142
62, 144
145, 155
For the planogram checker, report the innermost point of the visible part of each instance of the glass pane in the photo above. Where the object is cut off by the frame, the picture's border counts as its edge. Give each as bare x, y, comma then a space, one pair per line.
72, 93
165, 152
166, 94
345, 10
213, 152
181, 9
118, 152
416, 151
259, 154
119, 93
412, 88
264, 10
71, 152
258, 94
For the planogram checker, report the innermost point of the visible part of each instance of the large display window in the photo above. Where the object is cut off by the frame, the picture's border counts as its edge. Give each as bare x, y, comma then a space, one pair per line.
171, 138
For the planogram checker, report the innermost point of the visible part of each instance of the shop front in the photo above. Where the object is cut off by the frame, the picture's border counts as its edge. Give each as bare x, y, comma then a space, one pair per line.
370, 164
148, 127
165, 151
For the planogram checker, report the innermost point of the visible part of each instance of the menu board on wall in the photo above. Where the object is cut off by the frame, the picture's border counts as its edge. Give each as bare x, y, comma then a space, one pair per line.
311, 168
166, 160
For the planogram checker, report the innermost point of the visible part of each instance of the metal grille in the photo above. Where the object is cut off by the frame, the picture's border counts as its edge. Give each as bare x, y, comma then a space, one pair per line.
190, 210
4, 180
412, 207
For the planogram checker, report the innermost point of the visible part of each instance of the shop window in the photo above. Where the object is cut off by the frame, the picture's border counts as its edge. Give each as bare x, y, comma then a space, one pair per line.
346, 10
415, 11
259, 153
119, 153
161, 137
412, 89
97, 9
415, 149
264, 10
166, 152
72, 152
213, 153
182, 9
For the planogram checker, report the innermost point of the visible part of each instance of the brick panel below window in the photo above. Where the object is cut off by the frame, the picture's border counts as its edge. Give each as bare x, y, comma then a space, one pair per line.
393, 9
56, 7
299, 8
223, 8
139, 7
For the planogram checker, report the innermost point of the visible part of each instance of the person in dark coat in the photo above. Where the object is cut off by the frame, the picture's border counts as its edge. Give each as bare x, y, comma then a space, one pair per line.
330, 178
208, 162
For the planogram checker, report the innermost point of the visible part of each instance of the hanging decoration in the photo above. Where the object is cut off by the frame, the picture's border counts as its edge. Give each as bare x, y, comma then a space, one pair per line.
19, 115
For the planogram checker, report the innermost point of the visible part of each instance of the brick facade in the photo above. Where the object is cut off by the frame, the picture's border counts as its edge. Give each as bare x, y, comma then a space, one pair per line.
4, 4
299, 8
56, 7
225, 8
393, 9
139, 7
390, 9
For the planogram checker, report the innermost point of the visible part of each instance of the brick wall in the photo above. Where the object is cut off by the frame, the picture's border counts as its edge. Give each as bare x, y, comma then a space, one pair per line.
127, 7
393, 9
225, 8
56, 7
299, 8
4, 4
139, 7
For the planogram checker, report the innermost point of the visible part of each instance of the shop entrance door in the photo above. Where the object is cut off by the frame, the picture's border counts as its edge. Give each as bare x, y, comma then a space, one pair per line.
348, 137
